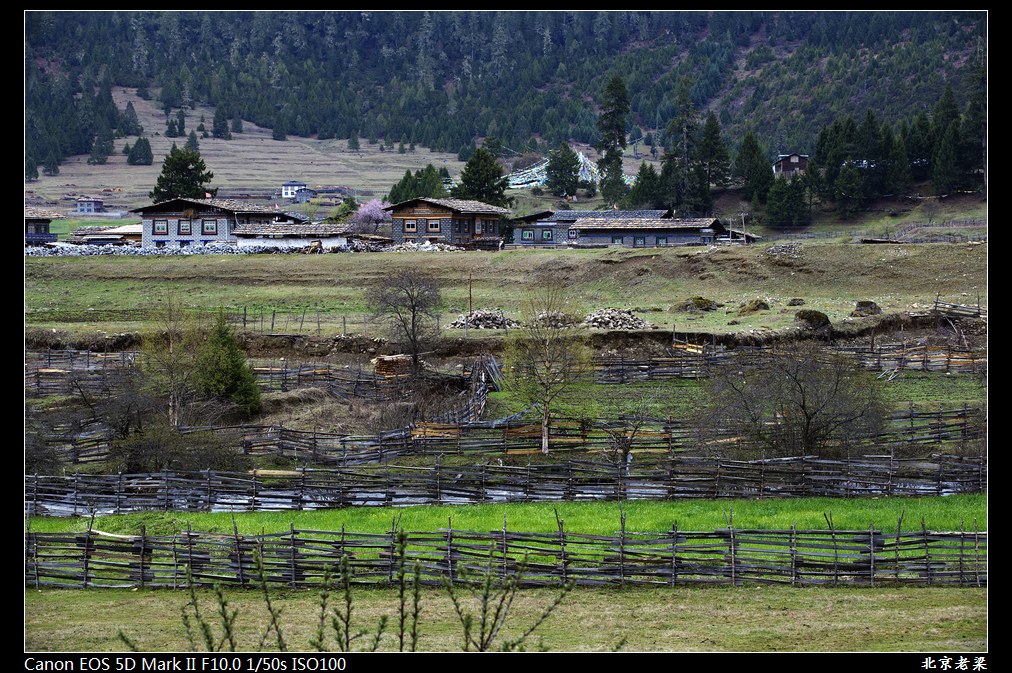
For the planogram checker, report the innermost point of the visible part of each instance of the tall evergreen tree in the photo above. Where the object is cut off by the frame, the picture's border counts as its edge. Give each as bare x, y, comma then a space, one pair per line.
219, 126
184, 174
482, 180
713, 153
140, 154
562, 174
944, 168
611, 124
646, 191
191, 142
753, 167
222, 370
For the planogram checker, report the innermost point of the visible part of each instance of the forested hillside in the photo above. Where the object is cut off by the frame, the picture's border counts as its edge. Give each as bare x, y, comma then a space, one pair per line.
444, 79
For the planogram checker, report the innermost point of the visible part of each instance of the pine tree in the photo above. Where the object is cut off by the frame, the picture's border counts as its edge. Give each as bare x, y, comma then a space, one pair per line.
222, 371
713, 153
562, 174
611, 124
191, 142
140, 154
482, 180
219, 127
646, 191
944, 167
31, 168
184, 174
753, 167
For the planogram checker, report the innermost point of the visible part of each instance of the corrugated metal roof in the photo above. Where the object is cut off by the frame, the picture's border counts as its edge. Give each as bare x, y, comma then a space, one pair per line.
569, 215
634, 223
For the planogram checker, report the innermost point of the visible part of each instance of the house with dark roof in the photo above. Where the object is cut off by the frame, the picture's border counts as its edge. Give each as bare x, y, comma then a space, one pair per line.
181, 222
291, 188
627, 228
790, 165
470, 224
89, 205
37, 223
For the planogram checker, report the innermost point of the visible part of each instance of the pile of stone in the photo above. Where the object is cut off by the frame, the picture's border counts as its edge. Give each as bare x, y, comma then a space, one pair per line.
484, 318
791, 249
61, 250
424, 246
615, 318
555, 320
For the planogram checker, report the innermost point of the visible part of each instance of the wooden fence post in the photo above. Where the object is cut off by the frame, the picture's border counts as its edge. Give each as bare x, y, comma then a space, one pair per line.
794, 554
562, 545
292, 556
674, 554
144, 532
449, 548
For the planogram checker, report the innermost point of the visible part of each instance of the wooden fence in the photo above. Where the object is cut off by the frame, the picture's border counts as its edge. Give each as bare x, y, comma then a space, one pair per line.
300, 558
459, 433
677, 477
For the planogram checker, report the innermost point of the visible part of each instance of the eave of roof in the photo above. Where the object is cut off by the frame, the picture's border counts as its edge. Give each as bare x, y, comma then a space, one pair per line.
460, 205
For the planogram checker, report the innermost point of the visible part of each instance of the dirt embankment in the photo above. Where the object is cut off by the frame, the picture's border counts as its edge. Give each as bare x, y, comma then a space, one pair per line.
931, 328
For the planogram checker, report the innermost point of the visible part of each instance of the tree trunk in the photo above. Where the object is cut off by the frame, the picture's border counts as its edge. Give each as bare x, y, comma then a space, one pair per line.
545, 418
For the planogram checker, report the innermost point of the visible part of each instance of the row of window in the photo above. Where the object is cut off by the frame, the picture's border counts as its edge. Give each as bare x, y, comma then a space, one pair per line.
549, 234
184, 227
460, 226
546, 234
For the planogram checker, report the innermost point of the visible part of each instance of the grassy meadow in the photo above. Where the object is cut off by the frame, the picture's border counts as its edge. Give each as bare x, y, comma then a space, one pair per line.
122, 293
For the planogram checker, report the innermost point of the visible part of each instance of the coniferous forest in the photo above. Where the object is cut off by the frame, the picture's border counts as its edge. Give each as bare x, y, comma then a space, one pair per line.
443, 79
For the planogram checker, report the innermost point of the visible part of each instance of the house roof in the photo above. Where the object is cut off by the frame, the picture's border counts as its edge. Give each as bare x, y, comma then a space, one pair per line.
125, 230
233, 205
636, 223
459, 205
33, 213
300, 230
570, 215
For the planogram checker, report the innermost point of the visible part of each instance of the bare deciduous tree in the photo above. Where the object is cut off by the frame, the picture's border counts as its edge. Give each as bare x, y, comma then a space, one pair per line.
545, 356
795, 401
410, 302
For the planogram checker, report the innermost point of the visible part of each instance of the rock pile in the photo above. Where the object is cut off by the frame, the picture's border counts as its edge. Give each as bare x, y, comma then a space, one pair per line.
207, 249
791, 249
555, 319
753, 306
424, 246
492, 318
615, 318
865, 308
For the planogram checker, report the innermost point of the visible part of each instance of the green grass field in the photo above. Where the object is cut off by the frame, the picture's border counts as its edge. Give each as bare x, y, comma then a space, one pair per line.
88, 295
602, 518
717, 619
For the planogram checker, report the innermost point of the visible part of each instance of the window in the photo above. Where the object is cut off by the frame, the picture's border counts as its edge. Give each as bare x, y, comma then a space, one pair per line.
456, 226
662, 240
209, 227
185, 228
573, 233
183, 244
616, 240
433, 225
639, 241
410, 225
159, 244
160, 227
546, 234
527, 235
